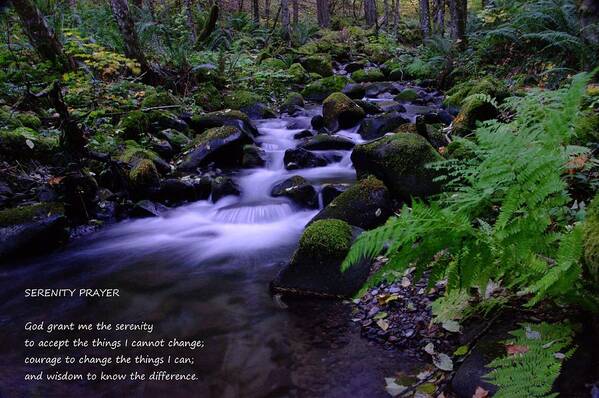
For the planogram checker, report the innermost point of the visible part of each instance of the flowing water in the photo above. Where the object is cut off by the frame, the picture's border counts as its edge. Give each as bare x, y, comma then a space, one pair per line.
201, 271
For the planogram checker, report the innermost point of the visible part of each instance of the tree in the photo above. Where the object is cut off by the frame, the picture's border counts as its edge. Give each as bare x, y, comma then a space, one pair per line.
370, 13
439, 17
295, 6
193, 32
285, 19
425, 22
256, 11
322, 10
40, 35
120, 10
458, 10
588, 11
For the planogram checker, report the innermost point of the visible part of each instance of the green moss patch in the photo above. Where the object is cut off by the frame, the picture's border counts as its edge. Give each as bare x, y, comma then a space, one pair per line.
23, 214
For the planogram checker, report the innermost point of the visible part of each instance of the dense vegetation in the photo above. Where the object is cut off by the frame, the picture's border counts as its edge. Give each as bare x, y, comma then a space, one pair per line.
91, 90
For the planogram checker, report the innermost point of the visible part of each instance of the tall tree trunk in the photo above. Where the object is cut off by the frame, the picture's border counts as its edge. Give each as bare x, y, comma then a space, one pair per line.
425, 21
396, 15
256, 11
285, 19
322, 9
240, 6
386, 13
210, 24
120, 10
458, 10
588, 11
370, 12
439, 17
40, 35
295, 6
267, 11
191, 25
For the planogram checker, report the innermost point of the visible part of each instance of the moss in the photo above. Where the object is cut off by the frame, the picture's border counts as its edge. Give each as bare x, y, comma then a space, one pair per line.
208, 97
144, 174
134, 125
322, 88
368, 75
293, 99
324, 240
23, 214
158, 99
298, 74
214, 133
273, 63
359, 192
591, 238
586, 128
11, 119
240, 99
458, 149
318, 63
407, 128
133, 153
489, 86
338, 107
474, 109
23, 143
407, 95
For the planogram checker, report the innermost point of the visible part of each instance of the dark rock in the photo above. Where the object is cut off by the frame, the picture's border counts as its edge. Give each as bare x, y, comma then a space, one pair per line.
391, 106
200, 123
354, 90
173, 190
319, 89
340, 112
303, 134
80, 191
375, 89
377, 126
331, 191
315, 266
163, 149
399, 160
327, 142
202, 187
160, 120
408, 94
293, 104
221, 145
252, 157
369, 107
258, 111
223, 186
317, 122
366, 205
301, 159
441, 116
354, 66
297, 189
146, 208
175, 138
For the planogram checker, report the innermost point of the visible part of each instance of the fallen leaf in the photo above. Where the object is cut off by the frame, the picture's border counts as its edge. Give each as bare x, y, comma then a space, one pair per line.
383, 324
429, 348
451, 326
480, 393
532, 334
393, 388
559, 355
29, 143
514, 349
461, 351
443, 362
386, 298
405, 282
380, 315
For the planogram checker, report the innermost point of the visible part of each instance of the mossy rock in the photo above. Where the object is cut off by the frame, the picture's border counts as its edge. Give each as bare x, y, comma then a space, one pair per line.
490, 86
158, 99
459, 149
236, 118
239, 99
163, 119
134, 125
144, 175
318, 63
293, 102
298, 74
26, 143
29, 213
368, 75
408, 94
208, 97
474, 109
399, 160
340, 112
132, 153
11, 119
297, 189
176, 139
322, 88
315, 266
591, 238
273, 63
586, 128
366, 204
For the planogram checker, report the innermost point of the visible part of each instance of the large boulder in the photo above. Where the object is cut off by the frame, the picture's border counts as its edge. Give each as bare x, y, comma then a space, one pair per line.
253, 157
294, 103
321, 142
340, 112
174, 191
366, 205
318, 63
224, 186
221, 145
25, 143
298, 73
368, 75
302, 159
314, 268
320, 89
31, 230
354, 90
144, 176
200, 123
249, 103
475, 109
379, 125
134, 125
399, 160
297, 189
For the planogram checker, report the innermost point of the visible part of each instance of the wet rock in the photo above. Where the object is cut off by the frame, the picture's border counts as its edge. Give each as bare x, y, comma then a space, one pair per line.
223, 186
160, 120
399, 161
302, 134
377, 126
253, 157
391, 106
162, 148
340, 112
31, 230
375, 89
293, 104
407, 95
144, 176
201, 123
5, 193
221, 145
301, 159
146, 208
368, 75
258, 111
173, 190
297, 189
327, 142
331, 191
318, 63
354, 90
317, 122
319, 89
202, 187
354, 66
366, 205
80, 191
175, 138
441, 116
473, 110
315, 266
369, 107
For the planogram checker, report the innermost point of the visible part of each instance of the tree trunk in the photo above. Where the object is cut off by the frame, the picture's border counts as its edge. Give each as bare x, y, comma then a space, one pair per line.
295, 6
439, 17
240, 6
425, 22
256, 11
191, 25
458, 10
267, 11
322, 9
396, 15
386, 13
370, 12
210, 24
120, 10
40, 35
588, 11
285, 19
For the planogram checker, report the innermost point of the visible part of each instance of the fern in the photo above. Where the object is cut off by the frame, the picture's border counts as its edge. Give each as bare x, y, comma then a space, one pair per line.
530, 370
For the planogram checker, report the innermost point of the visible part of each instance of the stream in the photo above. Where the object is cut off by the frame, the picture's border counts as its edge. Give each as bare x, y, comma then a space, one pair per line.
201, 271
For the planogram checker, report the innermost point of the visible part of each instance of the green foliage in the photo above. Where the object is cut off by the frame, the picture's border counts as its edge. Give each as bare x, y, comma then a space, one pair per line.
498, 218
530, 371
